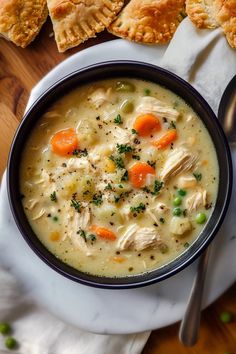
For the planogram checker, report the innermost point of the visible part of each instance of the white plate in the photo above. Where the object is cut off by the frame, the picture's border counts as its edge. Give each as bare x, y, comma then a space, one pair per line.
112, 311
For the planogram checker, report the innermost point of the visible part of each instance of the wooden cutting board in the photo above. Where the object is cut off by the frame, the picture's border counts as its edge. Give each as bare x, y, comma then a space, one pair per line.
20, 70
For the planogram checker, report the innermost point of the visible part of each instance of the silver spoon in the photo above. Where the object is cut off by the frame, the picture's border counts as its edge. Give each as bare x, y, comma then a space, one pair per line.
189, 327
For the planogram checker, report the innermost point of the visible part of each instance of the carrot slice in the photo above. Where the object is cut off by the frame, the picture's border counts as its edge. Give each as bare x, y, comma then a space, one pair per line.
166, 139
146, 124
64, 142
103, 233
138, 173
55, 236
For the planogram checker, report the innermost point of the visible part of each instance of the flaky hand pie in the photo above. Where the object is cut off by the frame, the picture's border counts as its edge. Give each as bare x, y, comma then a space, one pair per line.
214, 13
149, 21
74, 21
21, 20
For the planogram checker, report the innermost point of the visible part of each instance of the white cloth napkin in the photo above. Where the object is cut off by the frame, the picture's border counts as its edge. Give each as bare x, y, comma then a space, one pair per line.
205, 60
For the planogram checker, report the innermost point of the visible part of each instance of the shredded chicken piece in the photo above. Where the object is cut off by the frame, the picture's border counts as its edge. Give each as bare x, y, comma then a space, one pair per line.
197, 200
77, 221
153, 105
100, 96
187, 181
180, 226
78, 164
39, 215
152, 216
178, 161
122, 136
146, 237
44, 178
31, 203
138, 238
127, 240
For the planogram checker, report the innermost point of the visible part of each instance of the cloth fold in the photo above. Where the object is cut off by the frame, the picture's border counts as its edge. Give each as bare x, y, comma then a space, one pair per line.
205, 60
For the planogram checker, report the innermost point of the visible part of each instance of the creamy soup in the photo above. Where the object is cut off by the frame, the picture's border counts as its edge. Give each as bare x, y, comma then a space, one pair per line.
119, 177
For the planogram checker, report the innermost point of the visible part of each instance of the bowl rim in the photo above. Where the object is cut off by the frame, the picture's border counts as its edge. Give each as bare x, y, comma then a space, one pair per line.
139, 279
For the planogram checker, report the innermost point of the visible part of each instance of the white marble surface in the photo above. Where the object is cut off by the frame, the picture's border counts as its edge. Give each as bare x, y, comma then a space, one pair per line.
109, 311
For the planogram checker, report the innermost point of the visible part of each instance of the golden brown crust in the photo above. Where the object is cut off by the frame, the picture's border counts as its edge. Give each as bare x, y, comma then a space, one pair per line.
214, 13
149, 21
226, 16
202, 13
74, 21
21, 20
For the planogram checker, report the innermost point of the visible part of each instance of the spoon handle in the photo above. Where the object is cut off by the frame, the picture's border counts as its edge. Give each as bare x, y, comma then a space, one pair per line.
189, 328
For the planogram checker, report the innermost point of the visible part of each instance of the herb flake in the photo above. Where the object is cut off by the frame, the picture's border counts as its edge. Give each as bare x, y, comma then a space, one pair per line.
124, 148
76, 204
198, 176
138, 209
53, 197
118, 119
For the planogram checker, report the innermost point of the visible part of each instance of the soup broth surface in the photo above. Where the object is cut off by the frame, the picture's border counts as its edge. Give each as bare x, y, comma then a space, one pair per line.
119, 177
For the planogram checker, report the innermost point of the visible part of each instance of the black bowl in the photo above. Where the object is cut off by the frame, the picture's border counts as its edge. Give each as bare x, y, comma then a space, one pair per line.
111, 70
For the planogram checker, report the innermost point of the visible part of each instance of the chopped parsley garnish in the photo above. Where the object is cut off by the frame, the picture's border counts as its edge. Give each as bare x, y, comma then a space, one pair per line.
80, 153
124, 148
97, 199
146, 189
90, 237
186, 245
53, 197
120, 186
118, 161
162, 220
76, 204
117, 198
147, 92
55, 218
135, 157
108, 187
125, 176
133, 131
198, 176
172, 125
138, 209
157, 187
118, 119
82, 233
152, 163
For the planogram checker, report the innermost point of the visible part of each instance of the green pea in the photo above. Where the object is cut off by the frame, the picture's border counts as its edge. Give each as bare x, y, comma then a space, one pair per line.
177, 201
181, 192
124, 86
127, 107
201, 218
226, 317
10, 343
5, 328
177, 211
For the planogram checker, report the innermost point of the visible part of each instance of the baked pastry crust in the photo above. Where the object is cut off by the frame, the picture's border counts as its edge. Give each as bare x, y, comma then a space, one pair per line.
74, 21
149, 21
21, 20
214, 13
226, 16
202, 13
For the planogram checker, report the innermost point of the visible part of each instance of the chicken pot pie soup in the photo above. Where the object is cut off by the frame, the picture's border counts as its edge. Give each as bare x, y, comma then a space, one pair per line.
119, 177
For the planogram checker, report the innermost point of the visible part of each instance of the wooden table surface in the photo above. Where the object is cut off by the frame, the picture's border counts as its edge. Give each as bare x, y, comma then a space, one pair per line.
20, 70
